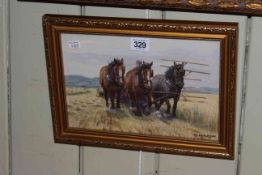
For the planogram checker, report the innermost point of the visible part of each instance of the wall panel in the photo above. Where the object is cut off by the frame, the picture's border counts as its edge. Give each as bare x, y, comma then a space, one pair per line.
251, 155
181, 165
33, 148
113, 12
113, 161
105, 161
4, 56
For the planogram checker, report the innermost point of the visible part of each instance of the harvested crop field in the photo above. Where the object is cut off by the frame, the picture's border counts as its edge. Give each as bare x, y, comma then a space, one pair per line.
198, 121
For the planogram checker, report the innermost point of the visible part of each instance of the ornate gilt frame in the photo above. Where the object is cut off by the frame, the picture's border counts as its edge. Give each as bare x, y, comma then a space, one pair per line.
242, 7
226, 33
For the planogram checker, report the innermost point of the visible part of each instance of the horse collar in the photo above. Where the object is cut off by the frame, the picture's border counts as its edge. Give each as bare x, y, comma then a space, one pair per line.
108, 78
170, 84
140, 79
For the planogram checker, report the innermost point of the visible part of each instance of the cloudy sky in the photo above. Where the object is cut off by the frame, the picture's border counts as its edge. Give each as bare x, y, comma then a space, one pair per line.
91, 52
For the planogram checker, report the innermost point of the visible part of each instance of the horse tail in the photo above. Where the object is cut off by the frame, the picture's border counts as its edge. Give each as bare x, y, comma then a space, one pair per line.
102, 73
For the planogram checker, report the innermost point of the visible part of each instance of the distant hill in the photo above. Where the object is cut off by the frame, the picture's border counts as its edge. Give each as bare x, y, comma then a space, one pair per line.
202, 90
81, 81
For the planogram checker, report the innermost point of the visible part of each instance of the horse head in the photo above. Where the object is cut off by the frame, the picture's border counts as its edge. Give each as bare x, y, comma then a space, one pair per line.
117, 71
145, 73
175, 75
179, 73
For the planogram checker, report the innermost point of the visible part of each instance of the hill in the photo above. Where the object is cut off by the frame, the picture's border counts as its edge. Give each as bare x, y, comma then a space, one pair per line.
81, 81
206, 90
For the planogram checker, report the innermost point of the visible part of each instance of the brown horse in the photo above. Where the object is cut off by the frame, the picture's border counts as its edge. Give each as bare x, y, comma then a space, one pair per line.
138, 85
112, 81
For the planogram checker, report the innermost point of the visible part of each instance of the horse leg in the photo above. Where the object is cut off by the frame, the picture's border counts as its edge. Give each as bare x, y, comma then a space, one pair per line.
138, 106
150, 102
112, 98
168, 105
132, 99
106, 98
156, 104
147, 103
118, 100
160, 104
175, 106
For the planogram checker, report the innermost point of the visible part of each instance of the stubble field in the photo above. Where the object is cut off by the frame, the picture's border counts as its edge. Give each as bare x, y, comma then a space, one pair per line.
198, 121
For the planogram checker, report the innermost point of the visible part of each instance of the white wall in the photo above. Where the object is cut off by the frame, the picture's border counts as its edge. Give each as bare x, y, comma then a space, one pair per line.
4, 151
33, 149
251, 155
170, 164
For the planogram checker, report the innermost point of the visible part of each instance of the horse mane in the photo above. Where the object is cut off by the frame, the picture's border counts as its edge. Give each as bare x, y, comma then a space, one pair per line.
141, 66
111, 65
169, 73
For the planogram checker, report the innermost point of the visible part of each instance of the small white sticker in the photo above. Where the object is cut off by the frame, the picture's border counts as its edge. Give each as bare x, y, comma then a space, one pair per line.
73, 44
140, 44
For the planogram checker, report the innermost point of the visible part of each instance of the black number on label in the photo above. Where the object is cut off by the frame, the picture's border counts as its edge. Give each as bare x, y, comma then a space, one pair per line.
143, 44
140, 44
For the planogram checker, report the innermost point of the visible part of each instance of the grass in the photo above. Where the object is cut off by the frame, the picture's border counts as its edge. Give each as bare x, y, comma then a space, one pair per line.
77, 91
202, 115
194, 120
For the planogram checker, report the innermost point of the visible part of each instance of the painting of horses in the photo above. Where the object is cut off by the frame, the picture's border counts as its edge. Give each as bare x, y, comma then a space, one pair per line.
153, 85
170, 89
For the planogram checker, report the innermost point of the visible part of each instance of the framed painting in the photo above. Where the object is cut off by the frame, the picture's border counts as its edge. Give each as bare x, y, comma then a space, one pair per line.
241, 7
152, 85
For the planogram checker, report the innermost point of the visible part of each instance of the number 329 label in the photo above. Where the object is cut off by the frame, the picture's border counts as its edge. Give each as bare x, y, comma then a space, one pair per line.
139, 44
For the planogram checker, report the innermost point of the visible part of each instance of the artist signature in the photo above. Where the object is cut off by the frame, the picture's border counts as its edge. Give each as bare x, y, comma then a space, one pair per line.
209, 136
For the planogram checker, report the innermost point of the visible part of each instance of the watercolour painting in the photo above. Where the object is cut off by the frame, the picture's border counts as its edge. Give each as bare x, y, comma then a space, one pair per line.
165, 86
196, 116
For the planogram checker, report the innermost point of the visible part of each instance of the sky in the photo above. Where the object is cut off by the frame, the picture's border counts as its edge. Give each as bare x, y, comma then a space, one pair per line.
91, 52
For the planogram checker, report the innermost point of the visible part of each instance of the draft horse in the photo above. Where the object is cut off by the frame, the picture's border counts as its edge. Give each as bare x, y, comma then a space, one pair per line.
111, 78
138, 86
168, 86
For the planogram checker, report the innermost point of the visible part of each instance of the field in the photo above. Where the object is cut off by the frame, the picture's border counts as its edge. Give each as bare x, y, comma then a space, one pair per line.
198, 121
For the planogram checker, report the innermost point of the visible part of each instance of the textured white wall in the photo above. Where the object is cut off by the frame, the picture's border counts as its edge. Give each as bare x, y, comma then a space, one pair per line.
168, 164
33, 148
4, 152
179, 164
251, 155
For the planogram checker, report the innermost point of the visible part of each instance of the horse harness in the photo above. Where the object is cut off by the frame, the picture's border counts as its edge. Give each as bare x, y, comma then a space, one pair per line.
110, 79
140, 78
172, 86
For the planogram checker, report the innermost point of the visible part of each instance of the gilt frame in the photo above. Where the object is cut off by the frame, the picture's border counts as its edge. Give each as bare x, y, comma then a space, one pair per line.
243, 7
55, 26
